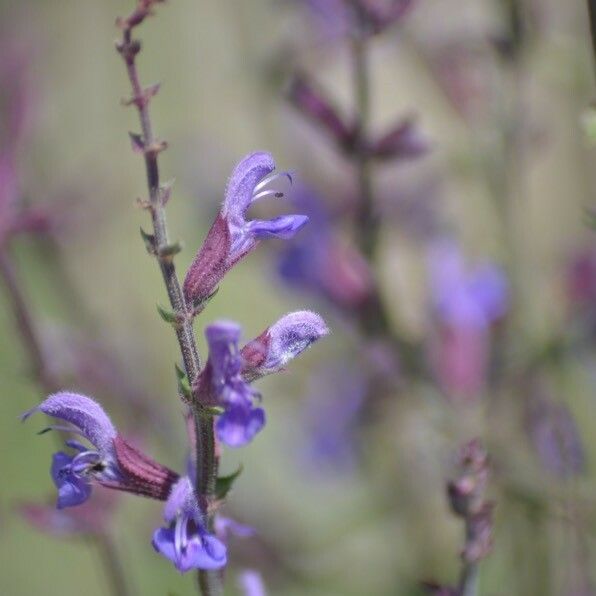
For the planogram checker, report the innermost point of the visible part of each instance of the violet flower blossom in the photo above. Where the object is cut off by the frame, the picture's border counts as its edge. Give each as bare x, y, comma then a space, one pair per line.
466, 302
185, 541
232, 236
224, 381
113, 463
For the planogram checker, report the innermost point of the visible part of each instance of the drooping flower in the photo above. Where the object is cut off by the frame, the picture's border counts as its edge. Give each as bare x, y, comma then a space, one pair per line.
466, 303
225, 379
185, 541
110, 460
232, 236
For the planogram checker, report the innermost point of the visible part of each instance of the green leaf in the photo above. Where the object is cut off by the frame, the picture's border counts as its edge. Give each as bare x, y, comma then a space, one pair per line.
168, 315
180, 373
224, 484
149, 240
183, 383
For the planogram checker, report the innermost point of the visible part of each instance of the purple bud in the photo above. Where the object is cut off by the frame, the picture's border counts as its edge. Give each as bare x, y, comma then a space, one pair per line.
283, 341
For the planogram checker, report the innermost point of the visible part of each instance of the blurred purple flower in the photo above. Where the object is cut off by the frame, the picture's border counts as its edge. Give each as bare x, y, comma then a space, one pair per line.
232, 236
91, 517
185, 541
466, 302
226, 527
466, 296
111, 461
251, 583
224, 380
320, 263
335, 17
337, 394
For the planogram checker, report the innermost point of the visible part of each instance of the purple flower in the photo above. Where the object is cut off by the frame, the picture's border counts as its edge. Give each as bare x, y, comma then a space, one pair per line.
221, 383
333, 411
232, 236
251, 583
271, 351
466, 296
225, 379
110, 460
466, 302
185, 541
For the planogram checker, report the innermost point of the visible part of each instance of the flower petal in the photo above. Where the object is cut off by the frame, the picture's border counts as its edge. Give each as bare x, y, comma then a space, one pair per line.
84, 413
72, 491
238, 425
284, 226
246, 175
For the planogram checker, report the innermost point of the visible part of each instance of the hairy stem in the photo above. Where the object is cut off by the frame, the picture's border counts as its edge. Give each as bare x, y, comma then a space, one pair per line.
40, 371
210, 582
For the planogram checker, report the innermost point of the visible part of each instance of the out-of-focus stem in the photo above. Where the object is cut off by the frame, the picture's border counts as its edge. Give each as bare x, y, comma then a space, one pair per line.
210, 582
25, 323
367, 222
41, 373
111, 563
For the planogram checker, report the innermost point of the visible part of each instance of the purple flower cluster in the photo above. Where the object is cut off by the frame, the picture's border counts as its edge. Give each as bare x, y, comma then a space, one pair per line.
224, 386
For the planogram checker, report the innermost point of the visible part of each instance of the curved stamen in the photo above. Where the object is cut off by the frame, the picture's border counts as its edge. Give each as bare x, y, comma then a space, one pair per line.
267, 193
271, 177
179, 538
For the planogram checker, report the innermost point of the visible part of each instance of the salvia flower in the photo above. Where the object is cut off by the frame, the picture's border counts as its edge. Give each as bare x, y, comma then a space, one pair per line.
185, 541
110, 460
232, 236
113, 463
225, 379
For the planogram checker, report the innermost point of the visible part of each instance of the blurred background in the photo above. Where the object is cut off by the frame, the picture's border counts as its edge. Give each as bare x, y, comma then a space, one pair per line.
474, 315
